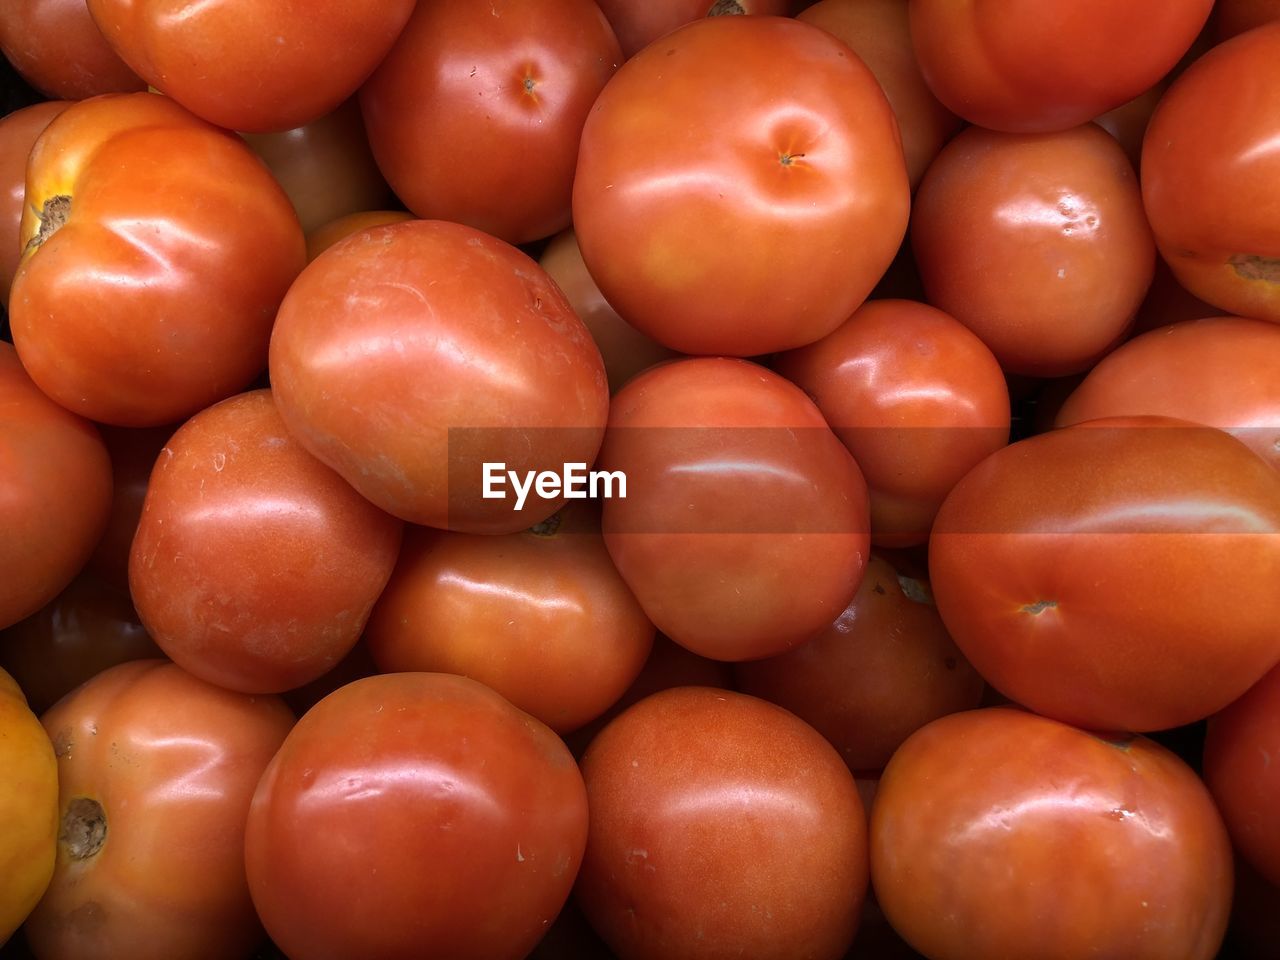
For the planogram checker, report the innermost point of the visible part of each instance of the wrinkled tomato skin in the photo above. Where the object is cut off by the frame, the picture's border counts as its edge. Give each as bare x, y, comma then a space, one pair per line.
721, 826
464, 818
1092, 574
18, 133
999, 833
60, 51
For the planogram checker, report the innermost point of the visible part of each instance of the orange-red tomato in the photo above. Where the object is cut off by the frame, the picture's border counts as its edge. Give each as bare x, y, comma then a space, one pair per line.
327, 234
18, 133
639, 24
133, 304
59, 50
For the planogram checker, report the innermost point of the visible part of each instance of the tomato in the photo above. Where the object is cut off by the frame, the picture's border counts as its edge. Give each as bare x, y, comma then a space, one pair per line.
639, 24
1231, 17
998, 833
255, 566
251, 66
740, 186
1223, 372
1168, 302
721, 826
1210, 169
879, 32
1036, 66
463, 819
1092, 574
474, 115
55, 492
134, 305
28, 808
1036, 242
744, 529
18, 132
1241, 745
916, 397
408, 355
60, 51
156, 770
327, 234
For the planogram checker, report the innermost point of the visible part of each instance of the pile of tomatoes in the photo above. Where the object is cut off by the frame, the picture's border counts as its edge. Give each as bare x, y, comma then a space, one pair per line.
659, 480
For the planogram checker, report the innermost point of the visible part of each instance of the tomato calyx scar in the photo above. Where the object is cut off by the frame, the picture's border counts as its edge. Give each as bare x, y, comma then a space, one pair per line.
84, 828
1249, 266
786, 159
52, 216
726, 8
547, 527
1039, 607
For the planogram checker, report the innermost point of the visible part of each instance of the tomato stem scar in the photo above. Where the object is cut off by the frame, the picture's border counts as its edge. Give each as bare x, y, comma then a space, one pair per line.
84, 828
1251, 267
1040, 606
52, 216
726, 8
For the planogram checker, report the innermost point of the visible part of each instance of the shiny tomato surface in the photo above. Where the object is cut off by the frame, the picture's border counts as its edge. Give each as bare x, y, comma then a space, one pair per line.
18, 133
59, 50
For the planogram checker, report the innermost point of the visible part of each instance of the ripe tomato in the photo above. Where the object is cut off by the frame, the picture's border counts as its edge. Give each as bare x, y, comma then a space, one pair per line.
1036, 242
18, 133
408, 355
255, 566
60, 51
1231, 17
1211, 175
133, 304
1044, 65
55, 492
156, 770
744, 530
1093, 573
251, 66
740, 186
28, 808
639, 24
327, 234
721, 826
463, 819
999, 833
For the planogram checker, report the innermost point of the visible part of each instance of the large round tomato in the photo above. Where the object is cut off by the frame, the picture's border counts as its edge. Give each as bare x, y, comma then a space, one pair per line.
415, 815
59, 50
18, 133
740, 186
998, 833
158, 249
156, 770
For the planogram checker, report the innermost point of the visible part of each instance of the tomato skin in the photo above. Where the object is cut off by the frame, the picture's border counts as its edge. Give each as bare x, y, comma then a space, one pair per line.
1232, 17
408, 354
144, 307
999, 833
1210, 169
55, 492
60, 51
18, 133
744, 530
397, 773
1045, 65
740, 186
255, 566
1092, 573
172, 763
327, 234
721, 826
639, 24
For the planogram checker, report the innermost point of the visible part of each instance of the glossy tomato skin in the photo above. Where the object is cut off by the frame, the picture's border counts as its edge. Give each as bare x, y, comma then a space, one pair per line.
639, 24
463, 818
146, 306
255, 566
60, 51
1240, 749
18, 133
156, 771
999, 833
55, 492
249, 66
740, 186
1037, 66
721, 826
475, 114
1092, 574
1037, 242
407, 355
744, 530
1219, 232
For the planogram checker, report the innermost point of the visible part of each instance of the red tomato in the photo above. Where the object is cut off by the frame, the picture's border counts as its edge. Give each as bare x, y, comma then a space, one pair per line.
133, 304
721, 826
156, 770
639, 24
246, 65
1036, 242
255, 566
1231, 17
744, 527
55, 493
18, 133
1242, 768
1093, 574
1223, 372
540, 616
740, 186
916, 397
476, 112
60, 51
408, 355
1211, 175
413, 815
998, 833
1044, 65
